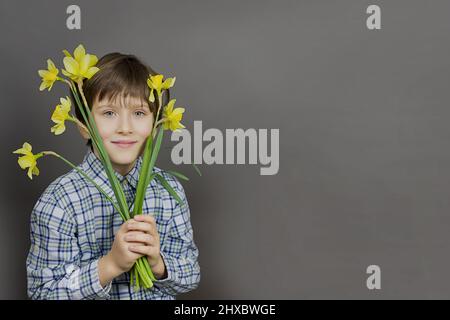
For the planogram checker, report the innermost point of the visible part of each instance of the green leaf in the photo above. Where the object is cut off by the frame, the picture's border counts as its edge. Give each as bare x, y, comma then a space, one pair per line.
197, 169
148, 269
137, 279
145, 275
177, 174
141, 187
155, 153
147, 175
167, 186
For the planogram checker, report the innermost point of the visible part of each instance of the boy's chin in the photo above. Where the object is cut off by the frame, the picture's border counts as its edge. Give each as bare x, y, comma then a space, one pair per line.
124, 157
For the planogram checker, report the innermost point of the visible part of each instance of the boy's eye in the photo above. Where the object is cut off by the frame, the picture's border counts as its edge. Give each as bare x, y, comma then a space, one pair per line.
108, 113
141, 113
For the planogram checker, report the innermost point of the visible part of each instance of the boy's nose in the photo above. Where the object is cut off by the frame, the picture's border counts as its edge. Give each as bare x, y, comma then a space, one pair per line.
125, 125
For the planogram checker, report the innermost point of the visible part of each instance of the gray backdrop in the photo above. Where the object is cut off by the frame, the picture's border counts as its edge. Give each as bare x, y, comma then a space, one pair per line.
363, 116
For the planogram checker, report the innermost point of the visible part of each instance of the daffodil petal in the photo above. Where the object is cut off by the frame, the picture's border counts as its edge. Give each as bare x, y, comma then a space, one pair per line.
150, 84
152, 96
67, 74
27, 146
35, 171
20, 151
157, 80
26, 149
177, 126
30, 173
71, 65
168, 83
178, 111
67, 53
67, 100
61, 128
91, 71
170, 105
26, 161
84, 64
92, 60
177, 117
79, 53
58, 128
43, 86
65, 104
51, 67
57, 116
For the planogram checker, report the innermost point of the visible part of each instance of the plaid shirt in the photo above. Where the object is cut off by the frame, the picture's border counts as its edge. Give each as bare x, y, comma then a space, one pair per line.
73, 225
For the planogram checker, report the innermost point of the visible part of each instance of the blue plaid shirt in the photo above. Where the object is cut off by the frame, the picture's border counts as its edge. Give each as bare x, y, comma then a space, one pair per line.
73, 225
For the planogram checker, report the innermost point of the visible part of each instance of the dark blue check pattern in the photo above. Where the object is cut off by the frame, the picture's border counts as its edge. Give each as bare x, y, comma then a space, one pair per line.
73, 225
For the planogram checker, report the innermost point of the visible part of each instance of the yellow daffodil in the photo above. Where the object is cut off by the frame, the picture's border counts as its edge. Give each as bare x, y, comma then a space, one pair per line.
48, 76
28, 160
60, 115
171, 118
156, 83
80, 65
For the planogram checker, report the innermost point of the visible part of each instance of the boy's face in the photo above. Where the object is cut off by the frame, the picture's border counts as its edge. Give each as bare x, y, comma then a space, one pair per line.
124, 124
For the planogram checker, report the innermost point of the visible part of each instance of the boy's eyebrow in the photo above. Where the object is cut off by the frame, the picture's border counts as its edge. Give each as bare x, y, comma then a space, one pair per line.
114, 106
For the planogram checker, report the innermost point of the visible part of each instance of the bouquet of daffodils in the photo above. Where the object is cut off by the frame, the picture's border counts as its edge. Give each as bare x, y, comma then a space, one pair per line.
81, 66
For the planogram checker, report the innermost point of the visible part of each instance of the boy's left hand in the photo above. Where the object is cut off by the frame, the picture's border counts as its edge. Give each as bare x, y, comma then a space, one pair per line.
144, 236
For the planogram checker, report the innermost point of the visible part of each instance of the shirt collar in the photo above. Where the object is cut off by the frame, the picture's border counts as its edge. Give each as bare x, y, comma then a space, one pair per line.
95, 166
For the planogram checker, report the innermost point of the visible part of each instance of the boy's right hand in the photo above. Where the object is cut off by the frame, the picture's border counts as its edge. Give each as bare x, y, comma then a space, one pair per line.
120, 255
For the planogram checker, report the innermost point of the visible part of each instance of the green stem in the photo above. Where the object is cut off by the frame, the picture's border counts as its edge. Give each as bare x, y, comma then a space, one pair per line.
78, 122
157, 114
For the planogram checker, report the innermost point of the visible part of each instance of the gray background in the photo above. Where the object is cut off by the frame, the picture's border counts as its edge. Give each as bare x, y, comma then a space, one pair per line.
363, 116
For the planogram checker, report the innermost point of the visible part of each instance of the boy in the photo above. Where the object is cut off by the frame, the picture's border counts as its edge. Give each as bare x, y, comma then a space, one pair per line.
80, 247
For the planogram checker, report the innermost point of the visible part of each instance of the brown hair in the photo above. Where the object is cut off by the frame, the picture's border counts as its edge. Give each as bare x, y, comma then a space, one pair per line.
119, 75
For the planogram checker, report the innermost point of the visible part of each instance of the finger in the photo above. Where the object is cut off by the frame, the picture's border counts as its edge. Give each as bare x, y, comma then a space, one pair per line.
141, 237
124, 227
134, 233
142, 226
144, 250
145, 218
136, 255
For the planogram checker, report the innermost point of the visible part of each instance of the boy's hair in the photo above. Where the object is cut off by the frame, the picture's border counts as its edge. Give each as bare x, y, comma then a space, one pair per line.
119, 75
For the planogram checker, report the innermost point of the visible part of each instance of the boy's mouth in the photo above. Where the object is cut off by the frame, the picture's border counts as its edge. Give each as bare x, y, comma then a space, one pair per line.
124, 143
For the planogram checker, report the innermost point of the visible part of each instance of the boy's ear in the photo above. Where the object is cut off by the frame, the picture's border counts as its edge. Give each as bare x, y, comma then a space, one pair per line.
83, 131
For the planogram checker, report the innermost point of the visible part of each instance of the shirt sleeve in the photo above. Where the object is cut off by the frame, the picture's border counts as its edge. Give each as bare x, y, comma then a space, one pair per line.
54, 267
179, 252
